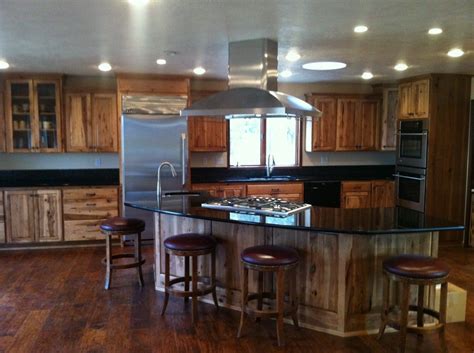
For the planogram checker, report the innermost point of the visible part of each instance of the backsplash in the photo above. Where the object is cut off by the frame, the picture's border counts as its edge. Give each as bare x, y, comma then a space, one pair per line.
28, 161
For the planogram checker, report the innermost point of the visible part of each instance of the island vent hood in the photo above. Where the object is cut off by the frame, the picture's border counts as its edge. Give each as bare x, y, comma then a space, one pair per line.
253, 71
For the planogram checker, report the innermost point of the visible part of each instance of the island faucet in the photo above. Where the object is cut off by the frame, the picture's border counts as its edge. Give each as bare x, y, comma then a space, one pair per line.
158, 178
270, 165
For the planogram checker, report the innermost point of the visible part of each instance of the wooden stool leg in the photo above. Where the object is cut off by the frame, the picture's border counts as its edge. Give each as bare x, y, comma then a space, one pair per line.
186, 277
244, 275
294, 297
420, 305
443, 302
259, 291
167, 282
213, 278
404, 315
138, 257
280, 296
194, 288
385, 305
108, 251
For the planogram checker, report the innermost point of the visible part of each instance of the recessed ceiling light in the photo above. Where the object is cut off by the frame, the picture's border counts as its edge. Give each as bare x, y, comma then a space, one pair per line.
105, 67
324, 65
293, 56
286, 73
360, 29
367, 75
435, 31
4, 65
138, 2
455, 53
161, 62
199, 71
401, 67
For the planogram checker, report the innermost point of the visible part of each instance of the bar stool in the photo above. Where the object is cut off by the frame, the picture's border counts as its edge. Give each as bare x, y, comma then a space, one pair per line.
420, 271
190, 246
273, 259
119, 226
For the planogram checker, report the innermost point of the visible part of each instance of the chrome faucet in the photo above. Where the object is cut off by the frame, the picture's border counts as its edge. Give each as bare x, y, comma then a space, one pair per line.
158, 179
270, 165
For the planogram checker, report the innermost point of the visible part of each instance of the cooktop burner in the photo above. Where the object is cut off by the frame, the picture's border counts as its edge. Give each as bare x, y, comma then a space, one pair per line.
258, 205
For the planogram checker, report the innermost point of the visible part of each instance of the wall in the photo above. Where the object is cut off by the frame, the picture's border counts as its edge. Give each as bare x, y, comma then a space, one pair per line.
18, 161
309, 158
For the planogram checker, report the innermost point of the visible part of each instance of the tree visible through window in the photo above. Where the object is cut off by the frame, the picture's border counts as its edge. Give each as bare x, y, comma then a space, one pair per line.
252, 140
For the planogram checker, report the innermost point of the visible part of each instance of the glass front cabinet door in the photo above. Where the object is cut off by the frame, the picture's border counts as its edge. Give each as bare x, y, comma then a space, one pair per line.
33, 116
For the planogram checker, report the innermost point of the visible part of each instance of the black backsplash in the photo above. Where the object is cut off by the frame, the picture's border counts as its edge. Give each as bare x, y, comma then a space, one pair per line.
59, 177
318, 173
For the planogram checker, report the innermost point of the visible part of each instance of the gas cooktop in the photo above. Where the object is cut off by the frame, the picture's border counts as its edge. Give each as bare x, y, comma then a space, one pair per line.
258, 205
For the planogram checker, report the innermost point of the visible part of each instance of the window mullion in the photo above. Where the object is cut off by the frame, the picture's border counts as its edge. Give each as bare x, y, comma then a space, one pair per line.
263, 145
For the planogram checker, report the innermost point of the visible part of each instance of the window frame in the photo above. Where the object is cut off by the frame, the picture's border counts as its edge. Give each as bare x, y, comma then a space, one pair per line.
263, 146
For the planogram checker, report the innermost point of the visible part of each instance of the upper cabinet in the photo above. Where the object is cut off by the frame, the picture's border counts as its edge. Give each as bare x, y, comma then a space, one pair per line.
414, 99
91, 122
33, 115
207, 134
321, 132
389, 119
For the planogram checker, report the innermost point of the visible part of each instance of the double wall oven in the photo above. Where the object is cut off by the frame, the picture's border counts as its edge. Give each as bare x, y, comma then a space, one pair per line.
411, 163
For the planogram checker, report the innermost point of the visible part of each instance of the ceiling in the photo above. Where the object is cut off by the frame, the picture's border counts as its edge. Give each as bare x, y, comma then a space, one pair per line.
74, 36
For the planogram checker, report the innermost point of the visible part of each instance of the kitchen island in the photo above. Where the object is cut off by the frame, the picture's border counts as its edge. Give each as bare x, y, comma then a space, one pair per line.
341, 252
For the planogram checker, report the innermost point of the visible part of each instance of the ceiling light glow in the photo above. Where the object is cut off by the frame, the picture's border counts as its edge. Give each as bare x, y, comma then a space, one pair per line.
161, 62
286, 73
199, 71
138, 2
360, 29
367, 75
455, 53
293, 56
401, 67
324, 65
434, 31
105, 67
4, 65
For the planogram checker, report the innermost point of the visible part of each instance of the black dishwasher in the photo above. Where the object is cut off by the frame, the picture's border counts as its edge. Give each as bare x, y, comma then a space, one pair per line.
323, 193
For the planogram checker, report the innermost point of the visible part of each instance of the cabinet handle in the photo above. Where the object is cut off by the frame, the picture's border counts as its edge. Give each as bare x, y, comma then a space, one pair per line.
275, 190
91, 204
91, 194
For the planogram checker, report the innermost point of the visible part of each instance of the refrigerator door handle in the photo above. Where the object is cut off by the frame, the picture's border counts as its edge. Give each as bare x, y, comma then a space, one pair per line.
183, 157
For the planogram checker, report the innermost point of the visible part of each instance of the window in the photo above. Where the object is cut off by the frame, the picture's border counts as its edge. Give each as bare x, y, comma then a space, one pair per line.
252, 140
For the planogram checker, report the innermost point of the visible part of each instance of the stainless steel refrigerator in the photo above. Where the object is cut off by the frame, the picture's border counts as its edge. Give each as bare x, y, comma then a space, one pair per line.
152, 133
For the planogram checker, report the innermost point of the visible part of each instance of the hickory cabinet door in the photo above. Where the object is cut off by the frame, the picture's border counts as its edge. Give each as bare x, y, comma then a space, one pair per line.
48, 215
20, 216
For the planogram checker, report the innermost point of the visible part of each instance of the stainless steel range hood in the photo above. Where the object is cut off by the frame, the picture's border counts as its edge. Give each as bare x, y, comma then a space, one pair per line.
253, 71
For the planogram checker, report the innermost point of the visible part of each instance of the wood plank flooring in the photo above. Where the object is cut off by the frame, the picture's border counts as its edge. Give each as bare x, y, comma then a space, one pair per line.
54, 301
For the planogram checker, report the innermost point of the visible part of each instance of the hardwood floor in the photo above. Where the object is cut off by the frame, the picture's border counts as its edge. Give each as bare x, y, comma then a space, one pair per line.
54, 301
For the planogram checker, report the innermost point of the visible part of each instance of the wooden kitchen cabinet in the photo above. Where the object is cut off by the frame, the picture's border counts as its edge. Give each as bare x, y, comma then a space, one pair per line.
389, 120
321, 132
414, 99
357, 124
356, 194
33, 115
383, 193
91, 122
85, 208
221, 190
2, 219
33, 215
206, 134
287, 191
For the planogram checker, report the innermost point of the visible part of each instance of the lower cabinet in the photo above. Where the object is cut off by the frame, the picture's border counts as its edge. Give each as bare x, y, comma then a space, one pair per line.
221, 190
85, 209
288, 191
33, 216
2, 220
367, 194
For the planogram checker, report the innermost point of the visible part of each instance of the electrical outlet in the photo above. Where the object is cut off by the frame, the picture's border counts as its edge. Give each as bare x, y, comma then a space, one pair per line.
324, 159
98, 162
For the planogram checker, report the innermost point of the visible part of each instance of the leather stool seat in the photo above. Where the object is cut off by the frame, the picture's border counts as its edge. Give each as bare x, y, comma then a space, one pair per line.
416, 266
269, 255
122, 224
190, 242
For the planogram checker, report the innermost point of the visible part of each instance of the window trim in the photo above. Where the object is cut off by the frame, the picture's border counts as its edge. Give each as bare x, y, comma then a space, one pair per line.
263, 147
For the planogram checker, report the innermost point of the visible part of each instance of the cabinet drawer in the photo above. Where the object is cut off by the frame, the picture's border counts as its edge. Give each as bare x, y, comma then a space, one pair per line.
274, 189
82, 230
356, 186
72, 195
90, 209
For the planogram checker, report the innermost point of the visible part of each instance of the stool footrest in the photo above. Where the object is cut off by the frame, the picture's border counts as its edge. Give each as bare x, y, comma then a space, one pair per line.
289, 309
122, 266
182, 293
395, 322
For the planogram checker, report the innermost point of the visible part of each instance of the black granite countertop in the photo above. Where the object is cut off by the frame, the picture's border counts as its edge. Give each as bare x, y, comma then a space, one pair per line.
330, 220
318, 173
61, 177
